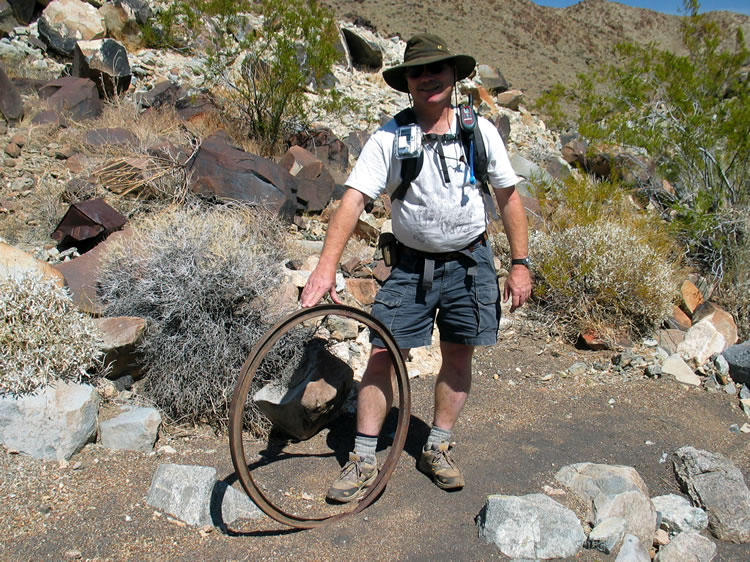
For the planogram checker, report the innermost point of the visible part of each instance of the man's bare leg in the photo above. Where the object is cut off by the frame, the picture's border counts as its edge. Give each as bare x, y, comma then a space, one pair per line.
375, 398
376, 391
453, 383
451, 391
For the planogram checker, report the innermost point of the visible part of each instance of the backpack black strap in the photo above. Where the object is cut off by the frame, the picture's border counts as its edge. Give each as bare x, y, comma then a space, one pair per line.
410, 167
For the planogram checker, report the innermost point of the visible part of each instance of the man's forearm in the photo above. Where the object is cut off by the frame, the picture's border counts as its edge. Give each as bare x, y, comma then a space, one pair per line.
514, 221
341, 227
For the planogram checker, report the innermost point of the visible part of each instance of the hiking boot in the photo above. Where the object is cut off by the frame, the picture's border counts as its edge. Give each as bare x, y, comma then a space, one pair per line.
436, 462
356, 477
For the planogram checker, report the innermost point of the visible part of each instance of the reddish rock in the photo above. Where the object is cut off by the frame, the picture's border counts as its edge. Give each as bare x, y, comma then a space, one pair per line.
721, 320
11, 105
351, 265
87, 223
13, 150
49, 117
691, 297
120, 336
381, 271
80, 276
680, 320
593, 340
228, 173
510, 99
363, 290
77, 97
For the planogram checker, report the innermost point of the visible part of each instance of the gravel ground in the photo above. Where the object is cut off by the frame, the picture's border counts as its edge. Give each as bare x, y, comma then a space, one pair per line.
517, 430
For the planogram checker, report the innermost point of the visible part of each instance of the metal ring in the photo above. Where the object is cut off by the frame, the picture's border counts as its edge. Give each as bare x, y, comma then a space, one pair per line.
242, 388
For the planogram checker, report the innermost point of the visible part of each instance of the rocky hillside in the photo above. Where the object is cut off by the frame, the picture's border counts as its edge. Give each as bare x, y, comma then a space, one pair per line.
533, 46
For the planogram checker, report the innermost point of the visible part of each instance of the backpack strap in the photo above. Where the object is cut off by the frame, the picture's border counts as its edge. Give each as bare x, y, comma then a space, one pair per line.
475, 149
410, 167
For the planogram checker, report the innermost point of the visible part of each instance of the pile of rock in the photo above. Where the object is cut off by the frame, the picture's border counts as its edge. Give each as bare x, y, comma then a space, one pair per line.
622, 519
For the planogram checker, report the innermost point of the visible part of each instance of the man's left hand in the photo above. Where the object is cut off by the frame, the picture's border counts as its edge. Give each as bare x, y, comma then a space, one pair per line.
517, 286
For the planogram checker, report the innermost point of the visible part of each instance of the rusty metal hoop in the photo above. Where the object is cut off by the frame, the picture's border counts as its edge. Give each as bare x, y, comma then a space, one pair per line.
239, 399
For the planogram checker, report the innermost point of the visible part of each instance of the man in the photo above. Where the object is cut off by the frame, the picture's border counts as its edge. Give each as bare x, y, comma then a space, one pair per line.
445, 270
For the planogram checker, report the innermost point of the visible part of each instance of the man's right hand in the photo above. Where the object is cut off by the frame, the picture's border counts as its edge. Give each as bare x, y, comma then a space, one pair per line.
318, 284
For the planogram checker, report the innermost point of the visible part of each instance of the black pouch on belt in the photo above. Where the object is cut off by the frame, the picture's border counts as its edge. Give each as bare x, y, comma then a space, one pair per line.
389, 248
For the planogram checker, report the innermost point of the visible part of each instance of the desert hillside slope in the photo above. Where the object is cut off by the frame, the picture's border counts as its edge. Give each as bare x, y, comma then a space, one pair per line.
533, 46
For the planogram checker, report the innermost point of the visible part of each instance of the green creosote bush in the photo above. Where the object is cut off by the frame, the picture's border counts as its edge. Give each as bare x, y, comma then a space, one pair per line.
43, 337
691, 114
268, 68
604, 276
205, 281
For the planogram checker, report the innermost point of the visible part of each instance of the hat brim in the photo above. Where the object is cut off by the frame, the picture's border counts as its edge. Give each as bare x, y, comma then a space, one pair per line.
395, 76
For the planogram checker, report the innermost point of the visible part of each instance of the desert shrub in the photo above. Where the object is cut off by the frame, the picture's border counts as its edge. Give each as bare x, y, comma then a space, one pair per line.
268, 53
43, 337
691, 114
604, 275
204, 280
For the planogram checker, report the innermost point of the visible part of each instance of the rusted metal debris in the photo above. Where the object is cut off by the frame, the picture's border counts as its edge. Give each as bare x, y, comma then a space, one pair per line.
87, 223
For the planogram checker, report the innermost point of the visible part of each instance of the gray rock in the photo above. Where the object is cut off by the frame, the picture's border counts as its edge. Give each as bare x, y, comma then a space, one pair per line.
492, 79
738, 358
120, 337
55, 423
64, 22
701, 342
134, 430
533, 526
680, 370
678, 515
607, 535
104, 62
715, 484
614, 491
632, 551
721, 364
362, 50
687, 547
192, 494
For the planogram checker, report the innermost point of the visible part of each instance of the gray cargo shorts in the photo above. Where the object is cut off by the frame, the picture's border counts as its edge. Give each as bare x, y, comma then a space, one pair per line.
464, 299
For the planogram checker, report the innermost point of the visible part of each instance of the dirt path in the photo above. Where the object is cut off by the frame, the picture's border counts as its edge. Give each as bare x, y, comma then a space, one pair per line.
516, 432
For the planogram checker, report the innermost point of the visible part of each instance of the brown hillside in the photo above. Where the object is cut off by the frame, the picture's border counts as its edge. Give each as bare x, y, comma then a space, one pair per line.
533, 46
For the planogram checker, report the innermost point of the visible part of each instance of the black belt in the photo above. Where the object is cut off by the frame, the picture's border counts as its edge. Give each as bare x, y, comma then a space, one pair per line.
431, 257
446, 256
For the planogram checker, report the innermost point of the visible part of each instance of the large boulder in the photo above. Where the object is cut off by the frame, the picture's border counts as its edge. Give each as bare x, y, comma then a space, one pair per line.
15, 263
363, 51
313, 397
23, 10
613, 491
716, 485
738, 358
55, 423
193, 494
687, 546
77, 98
530, 527
225, 172
133, 430
120, 336
64, 22
105, 62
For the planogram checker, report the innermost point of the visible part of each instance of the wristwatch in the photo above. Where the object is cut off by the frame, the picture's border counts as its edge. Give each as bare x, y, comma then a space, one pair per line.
521, 261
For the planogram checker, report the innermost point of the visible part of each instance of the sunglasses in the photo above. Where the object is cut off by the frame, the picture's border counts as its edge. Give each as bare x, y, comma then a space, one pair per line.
432, 68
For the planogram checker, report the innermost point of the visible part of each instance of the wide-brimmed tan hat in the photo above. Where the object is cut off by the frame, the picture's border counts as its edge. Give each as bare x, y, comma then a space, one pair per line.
426, 48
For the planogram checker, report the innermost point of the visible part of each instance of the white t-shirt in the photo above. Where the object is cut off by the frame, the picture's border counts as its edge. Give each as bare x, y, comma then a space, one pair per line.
433, 216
